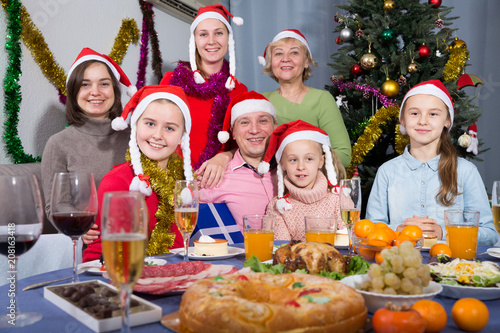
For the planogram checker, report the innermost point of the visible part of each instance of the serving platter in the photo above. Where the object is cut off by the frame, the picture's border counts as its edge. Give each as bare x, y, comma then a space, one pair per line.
481, 293
232, 252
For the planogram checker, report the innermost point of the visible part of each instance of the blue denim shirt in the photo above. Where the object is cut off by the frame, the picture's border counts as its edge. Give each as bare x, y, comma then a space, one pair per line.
405, 186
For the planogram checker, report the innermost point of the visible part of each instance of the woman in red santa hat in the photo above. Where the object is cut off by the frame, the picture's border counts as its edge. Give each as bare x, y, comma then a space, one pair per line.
209, 82
93, 100
160, 122
287, 60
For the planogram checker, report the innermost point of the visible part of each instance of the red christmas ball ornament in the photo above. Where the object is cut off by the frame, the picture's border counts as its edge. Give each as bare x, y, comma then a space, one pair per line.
357, 70
424, 51
339, 41
435, 3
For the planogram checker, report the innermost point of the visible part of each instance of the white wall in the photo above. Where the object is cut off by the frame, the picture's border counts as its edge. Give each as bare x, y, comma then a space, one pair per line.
68, 26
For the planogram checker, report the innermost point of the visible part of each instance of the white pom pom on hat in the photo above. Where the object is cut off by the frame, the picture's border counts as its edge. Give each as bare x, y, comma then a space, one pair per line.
288, 33
220, 13
434, 88
244, 103
133, 111
87, 54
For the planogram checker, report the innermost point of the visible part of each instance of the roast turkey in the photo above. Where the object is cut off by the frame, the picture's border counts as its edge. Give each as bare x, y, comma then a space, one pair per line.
313, 257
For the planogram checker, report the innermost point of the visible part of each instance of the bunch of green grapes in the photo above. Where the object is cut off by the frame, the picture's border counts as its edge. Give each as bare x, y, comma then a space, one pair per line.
401, 272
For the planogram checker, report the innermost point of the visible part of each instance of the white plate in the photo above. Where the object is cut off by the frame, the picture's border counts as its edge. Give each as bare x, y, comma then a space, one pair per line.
376, 301
494, 252
95, 265
232, 251
342, 247
480, 293
427, 248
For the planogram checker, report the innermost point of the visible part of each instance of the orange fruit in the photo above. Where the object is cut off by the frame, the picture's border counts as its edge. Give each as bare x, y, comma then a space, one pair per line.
363, 227
368, 255
391, 234
433, 313
379, 238
439, 248
412, 231
400, 239
470, 314
378, 256
381, 225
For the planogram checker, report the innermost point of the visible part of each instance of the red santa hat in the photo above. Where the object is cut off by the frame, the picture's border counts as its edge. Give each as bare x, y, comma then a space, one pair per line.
247, 102
132, 112
88, 54
288, 33
281, 137
220, 13
433, 87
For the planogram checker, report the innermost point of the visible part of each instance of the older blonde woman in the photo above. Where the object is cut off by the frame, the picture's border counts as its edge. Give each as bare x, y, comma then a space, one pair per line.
288, 60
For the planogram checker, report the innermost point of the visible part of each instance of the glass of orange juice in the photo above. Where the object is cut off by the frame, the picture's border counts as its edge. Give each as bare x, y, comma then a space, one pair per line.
461, 233
321, 228
259, 236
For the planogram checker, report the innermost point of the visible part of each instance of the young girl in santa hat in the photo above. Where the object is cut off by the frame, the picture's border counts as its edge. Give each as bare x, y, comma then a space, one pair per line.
159, 119
308, 170
210, 84
429, 177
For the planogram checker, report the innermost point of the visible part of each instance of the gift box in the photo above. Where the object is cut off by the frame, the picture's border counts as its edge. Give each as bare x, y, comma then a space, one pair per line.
215, 220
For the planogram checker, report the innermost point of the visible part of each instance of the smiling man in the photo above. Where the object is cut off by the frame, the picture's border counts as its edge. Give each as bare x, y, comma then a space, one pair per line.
250, 121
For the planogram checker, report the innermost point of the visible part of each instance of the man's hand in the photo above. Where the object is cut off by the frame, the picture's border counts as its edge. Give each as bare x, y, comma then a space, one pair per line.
212, 171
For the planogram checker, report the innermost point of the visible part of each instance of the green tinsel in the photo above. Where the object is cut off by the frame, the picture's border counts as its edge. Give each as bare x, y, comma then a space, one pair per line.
11, 86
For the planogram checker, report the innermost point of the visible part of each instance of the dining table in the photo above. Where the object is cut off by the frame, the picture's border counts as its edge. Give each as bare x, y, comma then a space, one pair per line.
56, 320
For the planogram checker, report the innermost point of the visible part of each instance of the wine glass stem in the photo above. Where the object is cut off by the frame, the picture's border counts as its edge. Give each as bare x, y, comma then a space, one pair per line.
349, 230
75, 275
13, 287
125, 303
186, 246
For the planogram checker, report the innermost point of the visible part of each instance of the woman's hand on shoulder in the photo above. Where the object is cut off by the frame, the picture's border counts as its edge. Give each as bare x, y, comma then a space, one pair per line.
429, 226
211, 172
91, 235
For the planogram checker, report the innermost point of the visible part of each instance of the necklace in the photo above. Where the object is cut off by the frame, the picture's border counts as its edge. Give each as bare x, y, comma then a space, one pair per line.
298, 96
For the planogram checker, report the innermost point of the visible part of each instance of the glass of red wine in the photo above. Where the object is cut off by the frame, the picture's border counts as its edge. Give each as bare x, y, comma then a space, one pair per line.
21, 223
73, 206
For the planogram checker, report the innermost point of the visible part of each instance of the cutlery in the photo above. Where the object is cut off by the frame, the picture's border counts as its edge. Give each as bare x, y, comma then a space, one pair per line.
42, 284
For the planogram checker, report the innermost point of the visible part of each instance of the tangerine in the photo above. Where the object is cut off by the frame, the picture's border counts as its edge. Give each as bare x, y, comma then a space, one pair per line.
440, 248
362, 228
433, 313
368, 255
412, 231
381, 225
470, 314
379, 238
400, 239
378, 256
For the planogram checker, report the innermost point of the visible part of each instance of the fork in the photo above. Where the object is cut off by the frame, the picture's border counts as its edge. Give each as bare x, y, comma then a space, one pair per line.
42, 284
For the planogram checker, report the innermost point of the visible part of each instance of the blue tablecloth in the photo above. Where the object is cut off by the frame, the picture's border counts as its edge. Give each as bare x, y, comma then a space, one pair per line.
55, 320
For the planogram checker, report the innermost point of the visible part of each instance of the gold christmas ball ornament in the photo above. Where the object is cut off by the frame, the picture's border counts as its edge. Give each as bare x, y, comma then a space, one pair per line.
368, 61
390, 88
389, 5
412, 68
457, 43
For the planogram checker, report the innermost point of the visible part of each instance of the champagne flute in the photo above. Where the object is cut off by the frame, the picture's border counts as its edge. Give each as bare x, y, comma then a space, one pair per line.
495, 204
21, 223
186, 204
73, 206
124, 238
350, 204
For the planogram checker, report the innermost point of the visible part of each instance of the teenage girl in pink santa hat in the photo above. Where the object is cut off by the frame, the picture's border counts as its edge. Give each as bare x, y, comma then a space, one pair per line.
93, 100
308, 172
210, 83
160, 121
429, 177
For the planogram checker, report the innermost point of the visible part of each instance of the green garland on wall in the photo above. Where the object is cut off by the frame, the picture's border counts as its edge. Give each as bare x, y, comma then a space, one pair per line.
11, 85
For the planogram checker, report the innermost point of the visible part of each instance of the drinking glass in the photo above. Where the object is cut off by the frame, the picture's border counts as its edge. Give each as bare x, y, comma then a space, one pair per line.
124, 239
461, 233
259, 236
21, 223
186, 206
350, 204
73, 206
321, 228
495, 204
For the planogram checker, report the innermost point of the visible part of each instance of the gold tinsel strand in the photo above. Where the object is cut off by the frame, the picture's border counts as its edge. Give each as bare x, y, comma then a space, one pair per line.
128, 33
34, 41
456, 62
372, 133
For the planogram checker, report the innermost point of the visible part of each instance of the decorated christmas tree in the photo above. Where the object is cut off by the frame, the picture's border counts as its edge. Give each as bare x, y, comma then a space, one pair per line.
388, 47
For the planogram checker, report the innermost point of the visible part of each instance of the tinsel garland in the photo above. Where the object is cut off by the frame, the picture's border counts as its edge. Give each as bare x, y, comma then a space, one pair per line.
372, 133
143, 60
456, 62
215, 88
163, 184
12, 89
129, 33
384, 100
148, 14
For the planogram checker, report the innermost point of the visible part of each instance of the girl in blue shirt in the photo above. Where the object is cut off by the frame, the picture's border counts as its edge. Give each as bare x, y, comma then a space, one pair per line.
429, 177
